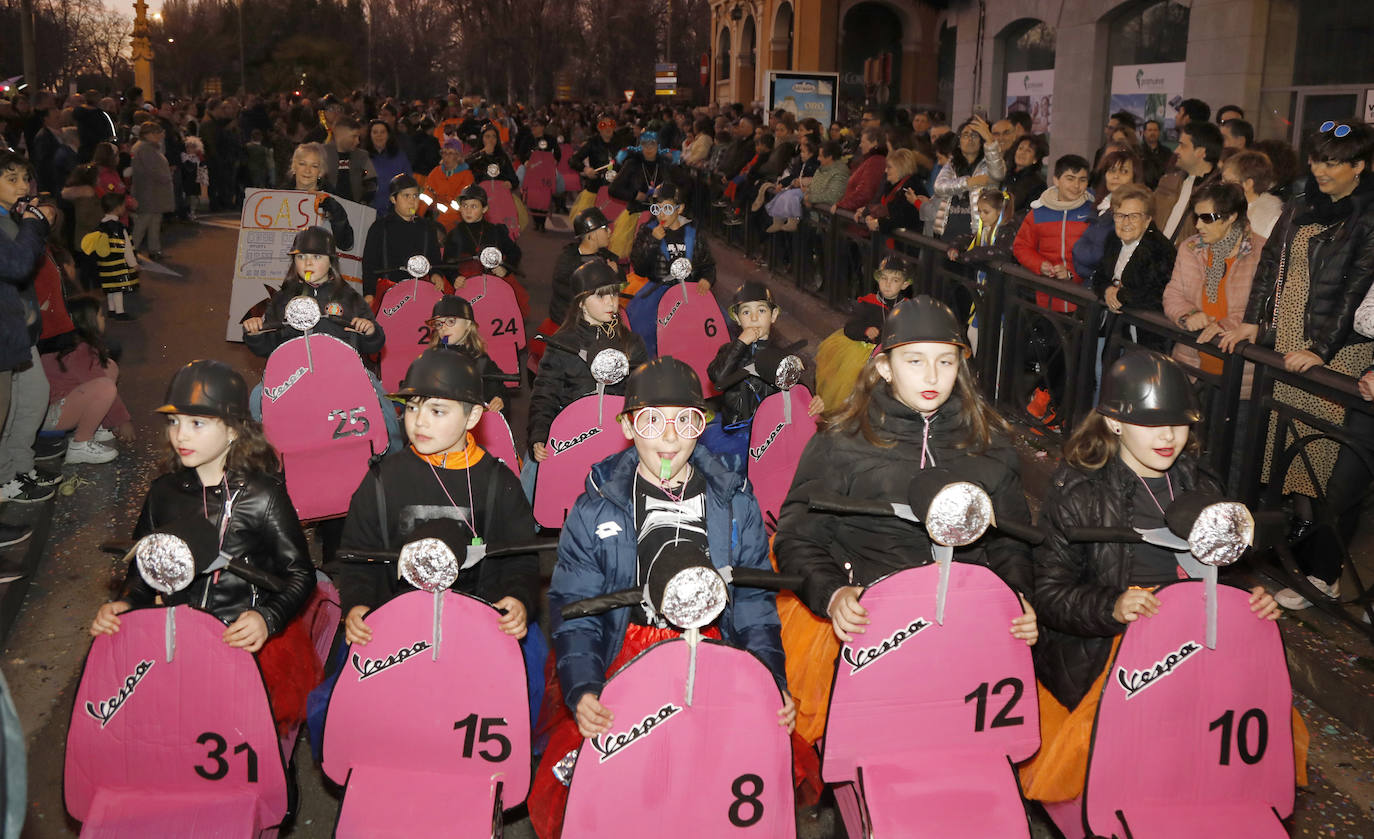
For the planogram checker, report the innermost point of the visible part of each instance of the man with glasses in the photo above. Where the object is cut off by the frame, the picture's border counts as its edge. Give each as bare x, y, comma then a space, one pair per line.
1199, 149
1004, 133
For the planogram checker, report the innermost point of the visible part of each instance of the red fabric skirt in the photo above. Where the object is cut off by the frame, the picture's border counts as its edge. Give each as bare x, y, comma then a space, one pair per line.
290, 670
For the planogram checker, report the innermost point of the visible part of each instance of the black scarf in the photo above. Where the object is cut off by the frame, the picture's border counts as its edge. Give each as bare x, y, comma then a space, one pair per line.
1320, 209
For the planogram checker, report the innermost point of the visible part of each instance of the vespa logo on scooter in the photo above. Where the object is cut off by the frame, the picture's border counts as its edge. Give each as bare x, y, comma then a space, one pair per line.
757, 451
1141, 679
663, 321
390, 311
859, 659
275, 393
106, 710
614, 744
369, 667
560, 446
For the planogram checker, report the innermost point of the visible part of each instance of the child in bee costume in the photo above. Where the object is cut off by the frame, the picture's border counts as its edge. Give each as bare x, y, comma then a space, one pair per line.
115, 263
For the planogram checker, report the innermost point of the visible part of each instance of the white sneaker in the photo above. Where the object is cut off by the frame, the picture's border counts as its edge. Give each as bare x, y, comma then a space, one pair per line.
90, 452
1294, 602
103, 435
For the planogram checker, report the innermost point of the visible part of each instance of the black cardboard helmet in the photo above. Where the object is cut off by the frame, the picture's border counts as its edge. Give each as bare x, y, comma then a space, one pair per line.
316, 240
473, 193
589, 220
452, 306
207, 388
1143, 387
752, 291
592, 275
921, 319
401, 182
663, 381
442, 374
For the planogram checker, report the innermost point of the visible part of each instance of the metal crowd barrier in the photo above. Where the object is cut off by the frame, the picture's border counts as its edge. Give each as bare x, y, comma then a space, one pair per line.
1023, 346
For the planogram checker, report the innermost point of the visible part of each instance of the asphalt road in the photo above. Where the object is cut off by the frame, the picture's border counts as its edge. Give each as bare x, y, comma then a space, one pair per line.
183, 318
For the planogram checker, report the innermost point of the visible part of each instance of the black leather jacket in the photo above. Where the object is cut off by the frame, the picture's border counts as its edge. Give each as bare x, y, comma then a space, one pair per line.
740, 400
1077, 584
650, 261
263, 530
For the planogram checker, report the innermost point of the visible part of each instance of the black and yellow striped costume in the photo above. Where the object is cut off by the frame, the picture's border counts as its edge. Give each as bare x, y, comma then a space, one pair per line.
107, 244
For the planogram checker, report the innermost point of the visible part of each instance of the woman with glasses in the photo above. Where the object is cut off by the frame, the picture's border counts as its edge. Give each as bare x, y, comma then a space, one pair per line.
1315, 269
975, 165
1136, 259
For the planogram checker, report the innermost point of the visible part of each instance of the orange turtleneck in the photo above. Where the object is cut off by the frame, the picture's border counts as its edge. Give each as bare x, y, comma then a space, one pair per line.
471, 455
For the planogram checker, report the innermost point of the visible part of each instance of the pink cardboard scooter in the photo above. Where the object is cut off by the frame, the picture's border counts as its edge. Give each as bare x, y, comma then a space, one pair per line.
500, 201
696, 749
1205, 686
403, 314
541, 179
690, 325
320, 412
467, 752
171, 733
778, 435
497, 312
936, 656
582, 435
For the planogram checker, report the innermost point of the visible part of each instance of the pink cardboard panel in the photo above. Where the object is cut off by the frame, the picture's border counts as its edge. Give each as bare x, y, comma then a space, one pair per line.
501, 206
124, 814
465, 716
576, 443
1218, 722
1213, 820
325, 423
775, 447
437, 806
493, 434
961, 794
197, 728
540, 180
719, 767
691, 328
982, 703
498, 318
404, 310
572, 181
611, 207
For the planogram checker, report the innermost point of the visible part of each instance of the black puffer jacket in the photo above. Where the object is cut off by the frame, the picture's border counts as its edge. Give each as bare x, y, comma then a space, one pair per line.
638, 175
569, 260
650, 261
820, 545
565, 373
339, 305
263, 530
1340, 265
1076, 585
391, 240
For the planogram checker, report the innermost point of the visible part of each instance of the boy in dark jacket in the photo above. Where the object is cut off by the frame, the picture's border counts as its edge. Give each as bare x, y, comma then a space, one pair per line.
396, 237
744, 371
657, 246
664, 492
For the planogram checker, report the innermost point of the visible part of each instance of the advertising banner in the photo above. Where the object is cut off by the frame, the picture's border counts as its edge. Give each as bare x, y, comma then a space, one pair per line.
1150, 91
1032, 91
804, 94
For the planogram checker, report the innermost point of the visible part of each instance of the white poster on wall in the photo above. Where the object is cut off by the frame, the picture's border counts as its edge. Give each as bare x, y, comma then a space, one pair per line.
1150, 91
1032, 91
271, 218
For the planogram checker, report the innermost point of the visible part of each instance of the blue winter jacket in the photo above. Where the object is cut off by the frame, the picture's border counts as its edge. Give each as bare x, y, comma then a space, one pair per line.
22, 243
597, 554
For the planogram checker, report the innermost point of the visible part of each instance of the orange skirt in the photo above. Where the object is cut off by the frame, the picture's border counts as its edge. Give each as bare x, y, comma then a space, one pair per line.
1059, 770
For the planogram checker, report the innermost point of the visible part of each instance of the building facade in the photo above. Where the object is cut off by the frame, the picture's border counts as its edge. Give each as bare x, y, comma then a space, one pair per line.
1290, 64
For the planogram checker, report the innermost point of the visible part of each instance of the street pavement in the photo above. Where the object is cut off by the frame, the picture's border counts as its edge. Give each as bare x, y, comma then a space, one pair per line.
182, 317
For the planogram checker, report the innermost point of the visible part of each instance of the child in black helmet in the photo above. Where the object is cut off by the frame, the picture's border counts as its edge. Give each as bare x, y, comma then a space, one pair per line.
452, 326
473, 234
221, 468
915, 407
397, 236
593, 234
444, 476
664, 491
1122, 467
657, 246
754, 311
843, 354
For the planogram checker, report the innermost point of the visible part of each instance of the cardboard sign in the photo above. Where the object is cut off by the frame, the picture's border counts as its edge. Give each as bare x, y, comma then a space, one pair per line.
572, 181
439, 734
270, 221
611, 207
1217, 725
501, 206
405, 308
691, 328
160, 747
576, 443
493, 434
775, 446
320, 412
721, 766
498, 318
969, 683
541, 179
